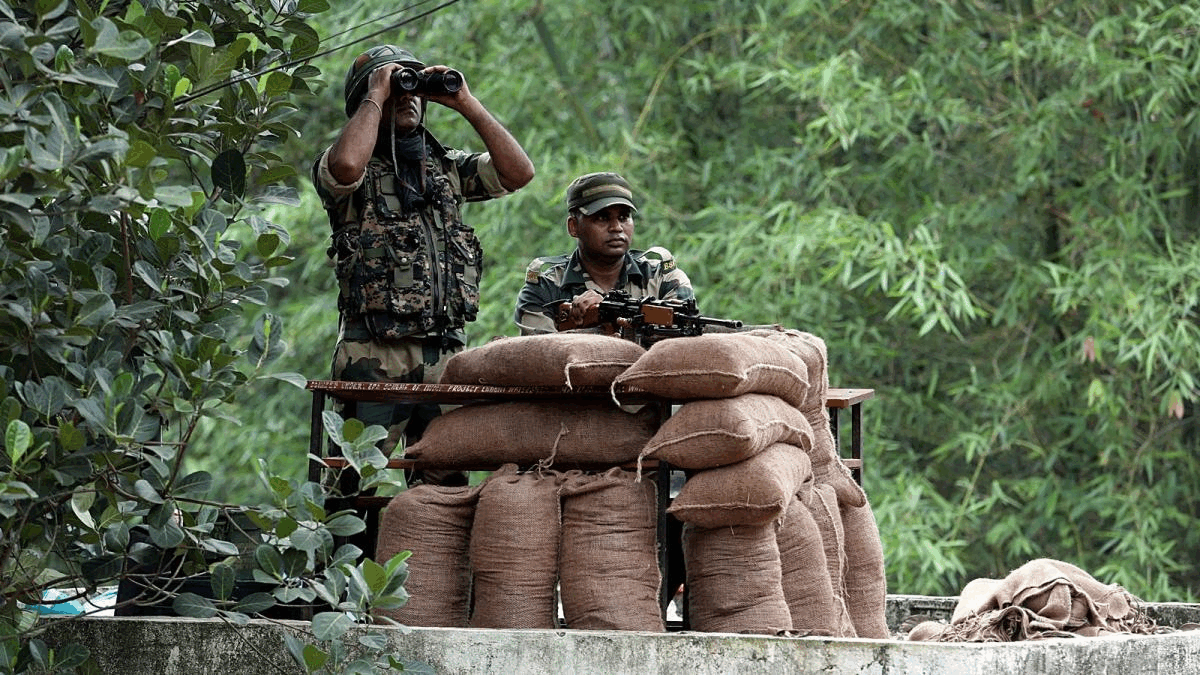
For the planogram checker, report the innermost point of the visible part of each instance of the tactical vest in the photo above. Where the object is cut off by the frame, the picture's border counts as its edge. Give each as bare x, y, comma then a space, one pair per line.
401, 272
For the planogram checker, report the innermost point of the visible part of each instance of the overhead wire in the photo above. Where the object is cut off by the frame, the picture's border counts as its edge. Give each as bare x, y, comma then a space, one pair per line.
295, 62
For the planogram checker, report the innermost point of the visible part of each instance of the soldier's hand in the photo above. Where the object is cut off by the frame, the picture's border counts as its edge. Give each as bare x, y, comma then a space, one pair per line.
585, 308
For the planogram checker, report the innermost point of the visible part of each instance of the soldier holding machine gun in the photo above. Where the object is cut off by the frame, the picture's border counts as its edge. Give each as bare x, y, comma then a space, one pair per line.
603, 279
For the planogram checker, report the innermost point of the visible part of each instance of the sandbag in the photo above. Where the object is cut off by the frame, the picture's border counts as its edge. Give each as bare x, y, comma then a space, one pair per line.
865, 581
434, 522
554, 359
824, 509
710, 433
734, 580
609, 576
566, 434
514, 550
826, 461
807, 586
753, 491
720, 365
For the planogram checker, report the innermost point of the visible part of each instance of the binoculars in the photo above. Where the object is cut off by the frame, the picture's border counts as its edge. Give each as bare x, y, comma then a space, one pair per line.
419, 82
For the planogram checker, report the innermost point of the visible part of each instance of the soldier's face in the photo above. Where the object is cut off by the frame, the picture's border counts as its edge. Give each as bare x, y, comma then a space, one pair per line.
407, 114
606, 233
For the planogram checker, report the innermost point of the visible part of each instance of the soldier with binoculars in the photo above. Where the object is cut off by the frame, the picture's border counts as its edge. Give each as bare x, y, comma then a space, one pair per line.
408, 267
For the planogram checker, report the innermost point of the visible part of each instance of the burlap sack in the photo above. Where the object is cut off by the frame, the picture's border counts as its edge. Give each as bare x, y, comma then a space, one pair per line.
514, 550
750, 492
555, 359
807, 586
734, 580
824, 509
721, 365
1042, 598
567, 434
608, 565
433, 522
865, 581
710, 433
827, 464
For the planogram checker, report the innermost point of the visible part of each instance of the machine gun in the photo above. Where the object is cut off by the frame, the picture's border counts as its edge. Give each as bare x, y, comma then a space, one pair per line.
642, 320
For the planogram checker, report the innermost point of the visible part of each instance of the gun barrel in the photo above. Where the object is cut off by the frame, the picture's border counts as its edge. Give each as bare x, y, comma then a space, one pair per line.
724, 323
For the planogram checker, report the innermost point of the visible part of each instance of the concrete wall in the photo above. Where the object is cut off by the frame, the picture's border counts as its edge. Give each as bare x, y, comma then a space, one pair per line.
172, 646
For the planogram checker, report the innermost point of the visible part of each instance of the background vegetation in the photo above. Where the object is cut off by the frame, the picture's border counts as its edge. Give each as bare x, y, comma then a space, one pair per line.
988, 210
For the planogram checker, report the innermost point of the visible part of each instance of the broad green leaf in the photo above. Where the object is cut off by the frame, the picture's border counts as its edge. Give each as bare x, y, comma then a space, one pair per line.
81, 501
17, 440
255, 603
125, 45
140, 155
146, 491
222, 579
375, 575
331, 625
193, 606
269, 560
229, 172
96, 311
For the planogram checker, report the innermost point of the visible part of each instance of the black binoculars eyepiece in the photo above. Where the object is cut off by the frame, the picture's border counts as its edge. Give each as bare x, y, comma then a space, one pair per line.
420, 82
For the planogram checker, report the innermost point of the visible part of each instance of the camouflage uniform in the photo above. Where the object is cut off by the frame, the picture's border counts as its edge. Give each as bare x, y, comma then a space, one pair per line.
550, 280
408, 278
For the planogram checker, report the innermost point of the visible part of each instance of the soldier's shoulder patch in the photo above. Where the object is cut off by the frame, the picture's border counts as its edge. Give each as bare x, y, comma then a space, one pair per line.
666, 261
537, 265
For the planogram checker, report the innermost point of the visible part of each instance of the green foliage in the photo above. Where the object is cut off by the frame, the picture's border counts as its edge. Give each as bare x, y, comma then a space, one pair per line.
987, 210
141, 162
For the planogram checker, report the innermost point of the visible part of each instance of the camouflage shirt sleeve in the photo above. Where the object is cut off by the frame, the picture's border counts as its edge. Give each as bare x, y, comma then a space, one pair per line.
531, 315
328, 188
477, 175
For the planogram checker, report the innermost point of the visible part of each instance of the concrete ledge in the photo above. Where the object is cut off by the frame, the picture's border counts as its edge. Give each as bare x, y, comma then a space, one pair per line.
174, 646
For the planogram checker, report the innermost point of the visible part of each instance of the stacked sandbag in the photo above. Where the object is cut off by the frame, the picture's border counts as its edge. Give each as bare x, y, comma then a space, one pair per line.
734, 580
823, 507
609, 575
581, 434
565, 434
755, 491
514, 546
807, 585
434, 522
865, 588
494, 555
555, 359
756, 437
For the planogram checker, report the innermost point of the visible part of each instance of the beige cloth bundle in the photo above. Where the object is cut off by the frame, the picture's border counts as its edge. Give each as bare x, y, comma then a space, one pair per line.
1042, 598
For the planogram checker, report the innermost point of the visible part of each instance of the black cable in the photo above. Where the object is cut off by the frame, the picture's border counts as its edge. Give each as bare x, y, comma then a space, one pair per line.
295, 62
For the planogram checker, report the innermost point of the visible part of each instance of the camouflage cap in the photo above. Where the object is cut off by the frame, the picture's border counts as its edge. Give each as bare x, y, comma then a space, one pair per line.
360, 71
594, 191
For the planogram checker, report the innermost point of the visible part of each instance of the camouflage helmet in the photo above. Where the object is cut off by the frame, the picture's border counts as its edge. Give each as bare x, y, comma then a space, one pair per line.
360, 71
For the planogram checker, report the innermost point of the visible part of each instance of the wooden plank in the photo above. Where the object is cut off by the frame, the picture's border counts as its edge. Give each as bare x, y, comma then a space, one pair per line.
468, 393
447, 393
844, 398
399, 463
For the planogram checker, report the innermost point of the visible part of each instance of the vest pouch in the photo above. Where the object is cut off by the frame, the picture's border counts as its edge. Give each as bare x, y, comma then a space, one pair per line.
402, 270
365, 279
466, 261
